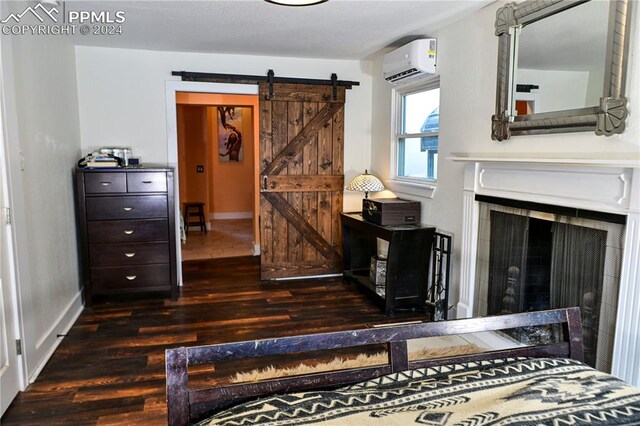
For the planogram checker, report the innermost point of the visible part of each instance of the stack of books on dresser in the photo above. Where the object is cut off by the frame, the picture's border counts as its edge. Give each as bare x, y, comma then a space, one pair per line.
103, 161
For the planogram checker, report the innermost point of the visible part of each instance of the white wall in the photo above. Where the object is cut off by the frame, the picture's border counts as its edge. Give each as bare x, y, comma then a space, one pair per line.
40, 99
559, 90
467, 58
122, 97
595, 86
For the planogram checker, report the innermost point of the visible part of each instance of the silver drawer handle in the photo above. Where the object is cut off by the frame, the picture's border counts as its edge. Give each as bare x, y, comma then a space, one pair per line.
105, 183
128, 209
128, 232
129, 254
131, 277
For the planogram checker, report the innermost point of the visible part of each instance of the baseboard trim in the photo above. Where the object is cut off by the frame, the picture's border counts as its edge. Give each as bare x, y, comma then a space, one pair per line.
307, 277
60, 327
231, 215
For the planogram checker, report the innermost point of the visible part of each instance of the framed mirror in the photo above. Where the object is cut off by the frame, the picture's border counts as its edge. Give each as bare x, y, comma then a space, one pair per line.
561, 67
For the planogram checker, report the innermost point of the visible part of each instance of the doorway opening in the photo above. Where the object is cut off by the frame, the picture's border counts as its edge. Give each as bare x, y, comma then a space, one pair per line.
525, 107
217, 148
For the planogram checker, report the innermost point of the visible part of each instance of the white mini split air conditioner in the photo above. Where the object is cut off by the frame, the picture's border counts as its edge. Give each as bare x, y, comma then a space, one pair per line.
410, 61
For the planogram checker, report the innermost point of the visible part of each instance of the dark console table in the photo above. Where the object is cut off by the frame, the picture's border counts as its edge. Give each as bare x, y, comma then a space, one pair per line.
408, 258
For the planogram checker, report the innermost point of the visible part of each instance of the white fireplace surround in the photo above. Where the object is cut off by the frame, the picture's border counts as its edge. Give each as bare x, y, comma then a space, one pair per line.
611, 186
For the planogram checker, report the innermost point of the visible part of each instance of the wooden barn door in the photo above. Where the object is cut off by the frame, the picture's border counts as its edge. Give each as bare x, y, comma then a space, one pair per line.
301, 179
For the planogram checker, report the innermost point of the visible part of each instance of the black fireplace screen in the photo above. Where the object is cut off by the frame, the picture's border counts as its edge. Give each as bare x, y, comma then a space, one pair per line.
577, 275
537, 264
507, 258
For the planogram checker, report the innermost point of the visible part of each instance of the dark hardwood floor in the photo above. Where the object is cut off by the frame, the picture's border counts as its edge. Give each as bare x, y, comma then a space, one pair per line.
109, 369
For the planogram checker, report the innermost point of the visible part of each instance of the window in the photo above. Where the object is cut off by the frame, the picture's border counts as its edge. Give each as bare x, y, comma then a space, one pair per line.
416, 137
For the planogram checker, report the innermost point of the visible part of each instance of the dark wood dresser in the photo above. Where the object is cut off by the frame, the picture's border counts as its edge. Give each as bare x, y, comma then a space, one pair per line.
126, 230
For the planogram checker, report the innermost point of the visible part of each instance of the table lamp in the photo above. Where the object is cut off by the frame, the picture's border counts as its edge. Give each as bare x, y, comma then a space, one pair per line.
365, 183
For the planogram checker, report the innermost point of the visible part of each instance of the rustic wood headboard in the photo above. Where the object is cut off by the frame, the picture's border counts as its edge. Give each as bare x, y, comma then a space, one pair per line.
188, 405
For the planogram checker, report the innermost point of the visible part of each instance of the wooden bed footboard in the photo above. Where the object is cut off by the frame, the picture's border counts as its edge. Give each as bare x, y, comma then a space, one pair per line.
187, 405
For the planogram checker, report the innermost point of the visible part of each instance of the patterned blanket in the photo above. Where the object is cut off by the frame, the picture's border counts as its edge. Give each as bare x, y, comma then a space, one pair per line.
514, 391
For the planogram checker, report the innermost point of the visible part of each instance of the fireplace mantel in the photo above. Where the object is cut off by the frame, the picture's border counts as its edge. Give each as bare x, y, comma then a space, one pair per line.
567, 160
607, 185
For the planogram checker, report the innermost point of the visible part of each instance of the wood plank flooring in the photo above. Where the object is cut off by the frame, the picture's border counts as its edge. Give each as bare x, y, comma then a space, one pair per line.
226, 238
109, 369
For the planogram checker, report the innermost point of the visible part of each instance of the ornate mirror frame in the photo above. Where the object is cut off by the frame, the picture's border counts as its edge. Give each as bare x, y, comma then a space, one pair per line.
606, 119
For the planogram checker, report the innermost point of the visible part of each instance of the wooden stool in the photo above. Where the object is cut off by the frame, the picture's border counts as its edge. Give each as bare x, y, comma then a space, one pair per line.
194, 209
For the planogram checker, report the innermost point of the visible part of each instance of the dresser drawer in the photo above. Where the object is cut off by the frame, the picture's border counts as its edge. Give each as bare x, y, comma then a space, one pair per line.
124, 231
126, 207
105, 183
128, 254
131, 278
146, 182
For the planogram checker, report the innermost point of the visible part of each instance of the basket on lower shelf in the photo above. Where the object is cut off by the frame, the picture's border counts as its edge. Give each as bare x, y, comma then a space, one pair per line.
378, 273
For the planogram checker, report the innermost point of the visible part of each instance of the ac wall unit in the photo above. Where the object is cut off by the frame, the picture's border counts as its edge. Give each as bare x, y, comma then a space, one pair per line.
410, 61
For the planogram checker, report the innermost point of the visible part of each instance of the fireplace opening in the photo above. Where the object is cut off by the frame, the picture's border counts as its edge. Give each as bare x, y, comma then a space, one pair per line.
529, 261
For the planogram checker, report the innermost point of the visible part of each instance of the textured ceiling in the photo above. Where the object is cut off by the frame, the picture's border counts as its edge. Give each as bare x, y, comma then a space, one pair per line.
340, 29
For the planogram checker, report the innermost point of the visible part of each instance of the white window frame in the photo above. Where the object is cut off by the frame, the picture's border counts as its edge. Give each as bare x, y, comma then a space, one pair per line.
421, 187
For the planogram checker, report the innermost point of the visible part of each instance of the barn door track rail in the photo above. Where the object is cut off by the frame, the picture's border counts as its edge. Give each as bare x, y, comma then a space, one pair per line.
270, 79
